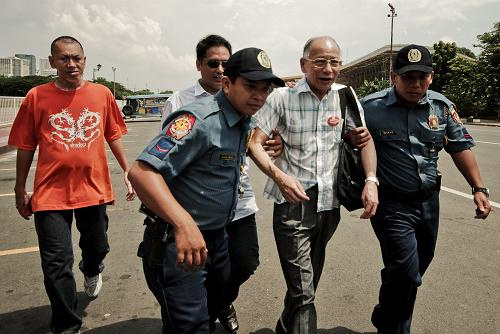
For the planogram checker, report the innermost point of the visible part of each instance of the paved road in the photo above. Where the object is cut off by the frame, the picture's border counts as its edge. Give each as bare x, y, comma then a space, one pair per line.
460, 292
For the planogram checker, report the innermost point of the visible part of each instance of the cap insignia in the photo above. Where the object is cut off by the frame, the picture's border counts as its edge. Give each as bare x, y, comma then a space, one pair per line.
414, 55
264, 60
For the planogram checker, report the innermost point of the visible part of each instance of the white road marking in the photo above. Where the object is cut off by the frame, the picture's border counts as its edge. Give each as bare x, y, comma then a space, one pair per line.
469, 196
487, 142
19, 251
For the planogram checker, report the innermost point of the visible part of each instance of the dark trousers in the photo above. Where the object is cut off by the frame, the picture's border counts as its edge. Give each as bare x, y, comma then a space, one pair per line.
243, 248
407, 232
186, 297
56, 252
301, 236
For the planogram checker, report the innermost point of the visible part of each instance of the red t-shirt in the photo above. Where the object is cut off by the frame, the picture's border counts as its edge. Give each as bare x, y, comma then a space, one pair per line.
70, 129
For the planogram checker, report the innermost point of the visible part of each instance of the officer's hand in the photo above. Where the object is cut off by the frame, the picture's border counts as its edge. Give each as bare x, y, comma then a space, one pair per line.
130, 190
483, 205
23, 204
358, 137
369, 197
191, 248
291, 189
274, 146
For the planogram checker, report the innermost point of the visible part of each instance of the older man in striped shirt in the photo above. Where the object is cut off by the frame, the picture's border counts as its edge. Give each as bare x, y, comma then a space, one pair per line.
303, 179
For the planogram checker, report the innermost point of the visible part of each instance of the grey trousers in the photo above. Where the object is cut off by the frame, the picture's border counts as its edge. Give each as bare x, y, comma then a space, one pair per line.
301, 236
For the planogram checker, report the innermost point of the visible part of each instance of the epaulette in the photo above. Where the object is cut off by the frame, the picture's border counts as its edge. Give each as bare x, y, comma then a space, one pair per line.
432, 95
377, 95
200, 108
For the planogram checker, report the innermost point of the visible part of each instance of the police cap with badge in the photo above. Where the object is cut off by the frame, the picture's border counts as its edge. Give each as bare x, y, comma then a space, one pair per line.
413, 58
252, 64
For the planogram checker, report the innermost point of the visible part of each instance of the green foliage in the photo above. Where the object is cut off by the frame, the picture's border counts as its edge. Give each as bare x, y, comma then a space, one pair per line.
372, 86
167, 92
462, 87
489, 68
120, 90
466, 52
143, 92
443, 53
19, 86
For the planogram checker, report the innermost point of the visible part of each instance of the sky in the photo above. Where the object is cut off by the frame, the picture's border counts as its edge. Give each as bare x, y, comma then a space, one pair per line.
152, 43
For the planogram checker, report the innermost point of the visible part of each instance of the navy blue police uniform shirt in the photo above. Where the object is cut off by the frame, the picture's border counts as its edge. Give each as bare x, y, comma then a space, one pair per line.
408, 140
199, 153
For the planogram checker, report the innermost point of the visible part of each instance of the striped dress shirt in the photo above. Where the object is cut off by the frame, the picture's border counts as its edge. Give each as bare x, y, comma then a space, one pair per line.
310, 145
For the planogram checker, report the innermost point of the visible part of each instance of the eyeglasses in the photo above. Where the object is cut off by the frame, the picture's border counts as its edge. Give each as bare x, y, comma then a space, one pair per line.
321, 62
216, 63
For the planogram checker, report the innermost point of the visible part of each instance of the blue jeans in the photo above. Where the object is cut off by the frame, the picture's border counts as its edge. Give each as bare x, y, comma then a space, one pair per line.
407, 232
56, 252
186, 297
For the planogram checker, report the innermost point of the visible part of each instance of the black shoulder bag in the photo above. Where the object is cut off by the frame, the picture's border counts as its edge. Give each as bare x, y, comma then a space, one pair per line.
351, 175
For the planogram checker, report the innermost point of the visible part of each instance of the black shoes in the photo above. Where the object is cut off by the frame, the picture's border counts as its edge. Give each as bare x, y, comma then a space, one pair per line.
228, 319
279, 328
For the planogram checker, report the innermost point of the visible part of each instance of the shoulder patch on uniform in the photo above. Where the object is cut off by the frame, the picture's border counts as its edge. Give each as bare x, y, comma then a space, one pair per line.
454, 115
181, 126
161, 148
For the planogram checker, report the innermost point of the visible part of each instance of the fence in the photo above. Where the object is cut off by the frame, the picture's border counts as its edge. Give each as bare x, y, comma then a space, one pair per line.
9, 106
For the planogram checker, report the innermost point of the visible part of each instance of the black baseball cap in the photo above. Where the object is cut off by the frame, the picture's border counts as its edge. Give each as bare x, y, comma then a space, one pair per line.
252, 64
413, 58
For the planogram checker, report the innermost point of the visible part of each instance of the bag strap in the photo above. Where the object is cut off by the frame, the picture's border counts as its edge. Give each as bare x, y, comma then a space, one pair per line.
347, 98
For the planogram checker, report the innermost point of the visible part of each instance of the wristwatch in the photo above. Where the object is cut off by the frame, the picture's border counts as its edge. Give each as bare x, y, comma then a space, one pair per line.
485, 191
373, 179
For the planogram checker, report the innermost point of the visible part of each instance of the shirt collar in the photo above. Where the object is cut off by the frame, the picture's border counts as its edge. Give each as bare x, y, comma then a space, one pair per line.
231, 115
199, 90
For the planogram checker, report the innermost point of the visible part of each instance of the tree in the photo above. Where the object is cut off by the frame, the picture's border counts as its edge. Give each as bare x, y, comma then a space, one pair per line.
372, 86
166, 92
120, 90
19, 86
489, 68
443, 53
462, 87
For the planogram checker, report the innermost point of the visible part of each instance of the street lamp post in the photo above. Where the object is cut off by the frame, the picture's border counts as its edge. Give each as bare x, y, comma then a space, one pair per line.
391, 15
98, 67
114, 71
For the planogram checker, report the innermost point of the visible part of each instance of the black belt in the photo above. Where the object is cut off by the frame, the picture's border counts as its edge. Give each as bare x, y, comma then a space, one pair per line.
406, 196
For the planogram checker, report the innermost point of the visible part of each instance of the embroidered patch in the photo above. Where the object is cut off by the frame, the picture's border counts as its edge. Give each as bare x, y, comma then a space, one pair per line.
433, 122
161, 148
467, 135
454, 115
181, 126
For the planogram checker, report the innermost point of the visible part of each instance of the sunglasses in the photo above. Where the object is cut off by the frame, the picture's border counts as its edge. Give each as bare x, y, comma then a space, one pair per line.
216, 63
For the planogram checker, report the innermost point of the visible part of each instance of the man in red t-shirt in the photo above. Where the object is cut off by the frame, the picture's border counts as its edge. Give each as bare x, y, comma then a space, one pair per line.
69, 120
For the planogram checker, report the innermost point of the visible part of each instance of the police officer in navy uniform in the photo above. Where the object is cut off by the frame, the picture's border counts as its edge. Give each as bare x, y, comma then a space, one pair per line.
410, 125
188, 176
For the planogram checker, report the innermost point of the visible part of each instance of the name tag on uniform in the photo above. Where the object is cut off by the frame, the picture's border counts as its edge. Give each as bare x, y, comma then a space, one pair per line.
387, 132
227, 157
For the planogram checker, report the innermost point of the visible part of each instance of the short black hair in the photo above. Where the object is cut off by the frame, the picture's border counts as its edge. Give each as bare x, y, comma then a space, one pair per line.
64, 39
210, 41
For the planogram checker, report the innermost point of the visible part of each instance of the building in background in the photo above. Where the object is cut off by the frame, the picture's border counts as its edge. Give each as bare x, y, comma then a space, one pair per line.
45, 68
31, 62
14, 66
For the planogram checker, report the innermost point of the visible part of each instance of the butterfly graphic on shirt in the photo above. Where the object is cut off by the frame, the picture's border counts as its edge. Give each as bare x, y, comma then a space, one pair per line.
75, 134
